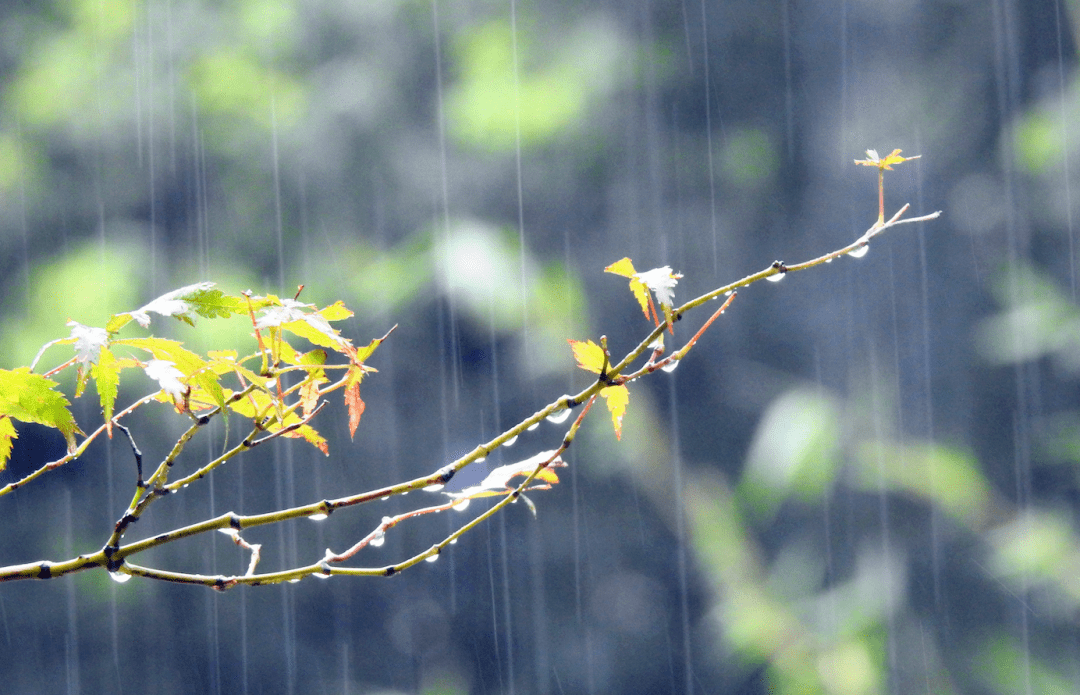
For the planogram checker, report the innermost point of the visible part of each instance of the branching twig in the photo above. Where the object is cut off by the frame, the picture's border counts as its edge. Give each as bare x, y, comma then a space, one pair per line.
272, 420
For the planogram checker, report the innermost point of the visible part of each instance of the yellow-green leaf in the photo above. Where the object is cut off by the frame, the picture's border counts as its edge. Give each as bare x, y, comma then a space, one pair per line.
106, 373
31, 398
335, 312
7, 437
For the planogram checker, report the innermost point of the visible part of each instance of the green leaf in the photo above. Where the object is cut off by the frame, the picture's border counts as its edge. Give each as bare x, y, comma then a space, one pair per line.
106, 374
201, 298
31, 398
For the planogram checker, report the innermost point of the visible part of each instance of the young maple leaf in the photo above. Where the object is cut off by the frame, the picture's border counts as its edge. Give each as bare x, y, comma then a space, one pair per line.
625, 268
661, 281
590, 357
884, 164
498, 480
588, 354
88, 341
352, 397
200, 298
31, 397
168, 377
617, 397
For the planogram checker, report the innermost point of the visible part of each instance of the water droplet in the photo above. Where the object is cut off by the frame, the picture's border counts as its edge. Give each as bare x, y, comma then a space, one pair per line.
481, 459
378, 540
435, 488
453, 542
511, 442
670, 366
860, 252
828, 260
776, 278
532, 427
432, 558
321, 575
294, 581
120, 577
318, 517
728, 293
559, 416
462, 505
385, 498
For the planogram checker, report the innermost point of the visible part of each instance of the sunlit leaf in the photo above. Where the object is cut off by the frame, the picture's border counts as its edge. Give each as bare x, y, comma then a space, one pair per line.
88, 341
873, 160
309, 434
309, 392
625, 268
190, 365
106, 373
617, 398
168, 377
588, 354
662, 283
498, 480
352, 398
31, 398
335, 312
8, 435
201, 299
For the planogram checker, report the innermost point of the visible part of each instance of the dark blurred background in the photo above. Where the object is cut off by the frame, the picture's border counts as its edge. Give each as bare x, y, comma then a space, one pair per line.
863, 479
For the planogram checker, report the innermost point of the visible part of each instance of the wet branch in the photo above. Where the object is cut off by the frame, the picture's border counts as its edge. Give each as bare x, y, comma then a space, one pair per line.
270, 423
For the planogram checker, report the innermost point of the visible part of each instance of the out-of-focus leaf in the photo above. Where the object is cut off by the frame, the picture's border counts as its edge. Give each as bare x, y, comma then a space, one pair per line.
941, 475
794, 452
